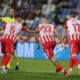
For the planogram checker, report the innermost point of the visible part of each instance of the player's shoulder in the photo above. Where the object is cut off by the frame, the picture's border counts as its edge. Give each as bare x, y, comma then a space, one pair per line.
19, 23
51, 25
40, 25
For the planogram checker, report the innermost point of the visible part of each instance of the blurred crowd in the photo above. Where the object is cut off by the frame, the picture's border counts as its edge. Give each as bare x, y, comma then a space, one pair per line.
31, 10
63, 8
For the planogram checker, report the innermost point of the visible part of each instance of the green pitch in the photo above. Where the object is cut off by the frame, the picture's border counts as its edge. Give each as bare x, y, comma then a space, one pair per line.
38, 69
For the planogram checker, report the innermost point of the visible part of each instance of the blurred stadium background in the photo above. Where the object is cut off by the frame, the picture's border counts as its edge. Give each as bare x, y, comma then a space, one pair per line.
56, 11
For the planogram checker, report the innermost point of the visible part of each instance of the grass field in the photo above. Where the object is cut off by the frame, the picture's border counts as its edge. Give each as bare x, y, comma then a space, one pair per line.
38, 69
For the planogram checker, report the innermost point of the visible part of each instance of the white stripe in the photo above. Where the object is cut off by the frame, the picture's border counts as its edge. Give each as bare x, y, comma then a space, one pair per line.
7, 36
70, 70
49, 38
71, 37
78, 37
63, 70
3, 36
53, 38
45, 38
47, 53
74, 37
10, 36
42, 39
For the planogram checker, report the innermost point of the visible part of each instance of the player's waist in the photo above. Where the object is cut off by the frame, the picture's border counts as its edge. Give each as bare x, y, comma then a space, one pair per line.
47, 38
74, 36
9, 36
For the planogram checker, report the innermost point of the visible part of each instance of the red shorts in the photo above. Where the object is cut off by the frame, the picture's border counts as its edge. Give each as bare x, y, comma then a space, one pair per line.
7, 46
75, 46
48, 48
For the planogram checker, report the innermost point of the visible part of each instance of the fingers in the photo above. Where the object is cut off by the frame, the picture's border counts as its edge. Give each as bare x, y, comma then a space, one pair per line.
63, 45
40, 28
38, 47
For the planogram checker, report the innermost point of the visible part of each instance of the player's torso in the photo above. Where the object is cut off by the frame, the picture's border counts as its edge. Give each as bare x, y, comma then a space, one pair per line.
11, 30
73, 29
46, 34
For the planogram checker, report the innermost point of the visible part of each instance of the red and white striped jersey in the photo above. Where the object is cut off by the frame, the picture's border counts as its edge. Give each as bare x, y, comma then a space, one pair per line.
11, 30
47, 32
73, 29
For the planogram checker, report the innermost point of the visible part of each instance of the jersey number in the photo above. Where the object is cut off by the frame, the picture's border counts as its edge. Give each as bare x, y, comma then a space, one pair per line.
76, 27
12, 29
47, 29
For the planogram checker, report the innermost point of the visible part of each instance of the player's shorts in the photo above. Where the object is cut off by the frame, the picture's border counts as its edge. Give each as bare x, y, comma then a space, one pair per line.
75, 46
7, 46
48, 48
15, 44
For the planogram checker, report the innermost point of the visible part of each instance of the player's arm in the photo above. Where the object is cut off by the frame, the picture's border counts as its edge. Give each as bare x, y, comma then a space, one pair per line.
20, 37
37, 40
2, 27
63, 35
64, 32
30, 31
57, 34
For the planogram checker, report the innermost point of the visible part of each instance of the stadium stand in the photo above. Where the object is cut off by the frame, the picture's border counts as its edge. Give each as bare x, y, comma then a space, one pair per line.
33, 10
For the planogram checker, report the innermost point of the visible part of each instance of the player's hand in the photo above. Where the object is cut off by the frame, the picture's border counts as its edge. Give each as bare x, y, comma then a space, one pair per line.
38, 46
21, 41
63, 45
39, 29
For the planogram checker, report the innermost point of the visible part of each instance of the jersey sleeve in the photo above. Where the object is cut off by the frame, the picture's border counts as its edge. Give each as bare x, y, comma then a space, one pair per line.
24, 28
4, 26
54, 28
37, 27
65, 26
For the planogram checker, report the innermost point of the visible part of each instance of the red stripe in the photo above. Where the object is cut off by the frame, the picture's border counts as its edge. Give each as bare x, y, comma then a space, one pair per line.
2, 36
47, 38
69, 37
12, 37
72, 37
76, 36
79, 37
44, 39
15, 37
51, 38
5, 36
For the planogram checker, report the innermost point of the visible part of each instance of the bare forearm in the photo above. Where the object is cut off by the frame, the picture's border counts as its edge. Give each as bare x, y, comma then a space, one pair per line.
60, 38
32, 31
58, 35
63, 38
1, 29
63, 34
37, 40
20, 36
